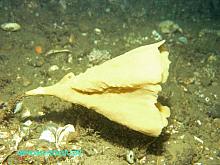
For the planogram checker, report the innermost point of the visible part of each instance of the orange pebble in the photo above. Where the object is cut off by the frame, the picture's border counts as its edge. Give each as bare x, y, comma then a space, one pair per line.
38, 50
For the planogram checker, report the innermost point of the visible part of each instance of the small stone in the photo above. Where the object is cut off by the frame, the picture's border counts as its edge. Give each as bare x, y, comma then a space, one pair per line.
26, 114
183, 40
72, 39
212, 58
97, 56
18, 107
28, 123
107, 10
97, 31
168, 27
70, 58
198, 139
156, 35
53, 68
10, 26
198, 163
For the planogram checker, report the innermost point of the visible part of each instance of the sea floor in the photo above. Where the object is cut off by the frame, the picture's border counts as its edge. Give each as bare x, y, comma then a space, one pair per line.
87, 33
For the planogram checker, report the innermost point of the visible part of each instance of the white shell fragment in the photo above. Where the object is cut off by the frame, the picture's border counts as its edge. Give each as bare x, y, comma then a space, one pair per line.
48, 136
198, 139
97, 31
10, 26
63, 133
26, 114
130, 157
53, 68
18, 107
57, 135
28, 123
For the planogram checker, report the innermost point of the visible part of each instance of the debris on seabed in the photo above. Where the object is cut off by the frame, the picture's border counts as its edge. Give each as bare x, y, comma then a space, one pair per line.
18, 107
10, 26
53, 51
130, 157
169, 27
198, 139
183, 40
53, 68
155, 35
97, 31
97, 56
48, 135
197, 163
27, 123
13, 141
60, 136
143, 160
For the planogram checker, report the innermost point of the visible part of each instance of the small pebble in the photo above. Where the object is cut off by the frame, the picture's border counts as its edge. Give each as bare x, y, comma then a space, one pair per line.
26, 114
156, 35
183, 40
18, 107
198, 139
97, 31
10, 26
53, 68
28, 123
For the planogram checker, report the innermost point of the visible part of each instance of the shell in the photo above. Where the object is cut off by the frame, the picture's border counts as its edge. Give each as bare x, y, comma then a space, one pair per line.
59, 135
48, 135
130, 157
63, 133
10, 26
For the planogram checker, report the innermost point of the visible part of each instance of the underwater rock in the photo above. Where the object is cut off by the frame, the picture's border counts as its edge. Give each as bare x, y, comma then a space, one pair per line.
183, 40
10, 26
97, 31
97, 56
53, 68
169, 27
